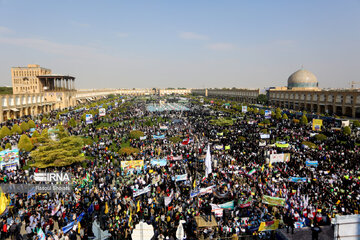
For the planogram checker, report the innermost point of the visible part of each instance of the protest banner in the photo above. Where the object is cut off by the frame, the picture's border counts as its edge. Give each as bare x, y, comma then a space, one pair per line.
174, 157
180, 177
158, 162
142, 191
158, 136
264, 136
227, 205
134, 165
282, 145
309, 163
273, 201
281, 157
297, 179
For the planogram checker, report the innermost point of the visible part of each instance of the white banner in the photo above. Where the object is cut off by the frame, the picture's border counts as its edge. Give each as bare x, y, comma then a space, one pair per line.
282, 157
142, 191
102, 112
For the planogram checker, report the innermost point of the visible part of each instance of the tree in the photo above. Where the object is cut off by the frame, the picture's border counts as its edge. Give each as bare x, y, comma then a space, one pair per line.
278, 110
59, 153
262, 99
61, 133
256, 111
1, 149
8, 146
25, 143
16, 129
31, 124
278, 115
285, 116
44, 120
72, 122
128, 151
5, 131
304, 120
347, 130
24, 126
262, 112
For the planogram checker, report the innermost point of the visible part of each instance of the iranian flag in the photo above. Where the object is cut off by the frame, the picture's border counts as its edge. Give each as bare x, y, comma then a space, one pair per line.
250, 173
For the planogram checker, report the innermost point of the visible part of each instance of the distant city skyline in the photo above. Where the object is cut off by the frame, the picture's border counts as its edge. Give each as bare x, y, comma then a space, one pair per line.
192, 44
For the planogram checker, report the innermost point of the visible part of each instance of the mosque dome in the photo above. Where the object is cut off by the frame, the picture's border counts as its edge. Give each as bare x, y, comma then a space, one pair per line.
302, 79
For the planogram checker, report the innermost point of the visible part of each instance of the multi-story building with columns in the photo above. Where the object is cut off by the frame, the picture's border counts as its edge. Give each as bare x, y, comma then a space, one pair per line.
302, 93
243, 95
35, 79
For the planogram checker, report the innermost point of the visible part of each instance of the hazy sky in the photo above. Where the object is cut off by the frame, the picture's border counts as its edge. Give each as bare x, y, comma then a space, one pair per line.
183, 43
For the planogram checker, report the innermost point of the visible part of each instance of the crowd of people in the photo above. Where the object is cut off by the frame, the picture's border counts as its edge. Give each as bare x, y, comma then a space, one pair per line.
173, 188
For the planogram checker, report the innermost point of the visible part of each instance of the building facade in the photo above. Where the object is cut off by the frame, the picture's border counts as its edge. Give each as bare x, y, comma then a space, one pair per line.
302, 93
242, 95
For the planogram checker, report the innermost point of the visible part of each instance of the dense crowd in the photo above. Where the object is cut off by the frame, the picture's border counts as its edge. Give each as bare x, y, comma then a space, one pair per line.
105, 193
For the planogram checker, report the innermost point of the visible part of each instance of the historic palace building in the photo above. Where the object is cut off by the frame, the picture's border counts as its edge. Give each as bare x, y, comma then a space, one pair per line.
302, 93
242, 95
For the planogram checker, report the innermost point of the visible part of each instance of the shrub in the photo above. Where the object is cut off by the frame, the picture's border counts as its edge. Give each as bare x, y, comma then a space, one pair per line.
31, 124
242, 139
310, 144
356, 123
135, 134
24, 126
346, 130
8, 146
304, 120
44, 120
262, 112
5, 131
128, 151
25, 143
320, 137
285, 116
175, 139
278, 116
16, 129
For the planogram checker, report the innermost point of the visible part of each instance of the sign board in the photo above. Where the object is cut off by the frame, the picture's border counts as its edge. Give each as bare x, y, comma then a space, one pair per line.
158, 162
317, 124
102, 112
264, 136
89, 118
267, 114
9, 159
244, 109
281, 157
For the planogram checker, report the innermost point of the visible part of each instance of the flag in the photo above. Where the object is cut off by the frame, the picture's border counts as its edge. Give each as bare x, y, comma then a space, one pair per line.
79, 226
91, 209
208, 169
31, 193
4, 202
41, 234
106, 208
262, 168
194, 185
56, 209
138, 206
251, 172
130, 219
203, 179
185, 141
272, 225
68, 227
